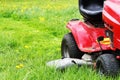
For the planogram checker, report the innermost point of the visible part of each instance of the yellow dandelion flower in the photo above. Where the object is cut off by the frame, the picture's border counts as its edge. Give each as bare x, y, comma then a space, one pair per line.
42, 19
18, 67
21, 65
22, 10
26, 46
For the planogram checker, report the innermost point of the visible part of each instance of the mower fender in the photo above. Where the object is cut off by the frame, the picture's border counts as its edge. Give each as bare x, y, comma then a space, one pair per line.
82, 37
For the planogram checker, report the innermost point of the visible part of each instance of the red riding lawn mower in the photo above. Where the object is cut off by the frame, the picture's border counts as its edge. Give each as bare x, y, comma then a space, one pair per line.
96, 40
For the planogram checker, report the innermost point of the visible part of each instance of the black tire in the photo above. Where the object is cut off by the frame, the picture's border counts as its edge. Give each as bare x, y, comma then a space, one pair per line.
69, 48
107, 64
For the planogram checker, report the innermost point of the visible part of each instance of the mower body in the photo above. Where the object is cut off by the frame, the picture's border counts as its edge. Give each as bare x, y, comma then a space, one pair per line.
97, 36
86, 35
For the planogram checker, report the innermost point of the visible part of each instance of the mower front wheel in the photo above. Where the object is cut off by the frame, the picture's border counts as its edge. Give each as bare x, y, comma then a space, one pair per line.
69, 47
107, 64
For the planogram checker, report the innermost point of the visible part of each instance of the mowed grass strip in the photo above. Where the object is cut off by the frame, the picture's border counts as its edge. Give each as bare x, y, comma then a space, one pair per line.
31, 34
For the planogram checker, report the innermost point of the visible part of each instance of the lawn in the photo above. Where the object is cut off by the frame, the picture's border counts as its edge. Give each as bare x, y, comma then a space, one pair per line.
30, 35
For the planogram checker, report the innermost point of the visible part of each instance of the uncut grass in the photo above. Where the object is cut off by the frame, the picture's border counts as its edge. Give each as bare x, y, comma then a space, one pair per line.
31, 34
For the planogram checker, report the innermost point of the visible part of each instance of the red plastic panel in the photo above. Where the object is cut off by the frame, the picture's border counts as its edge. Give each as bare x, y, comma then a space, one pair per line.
86, 36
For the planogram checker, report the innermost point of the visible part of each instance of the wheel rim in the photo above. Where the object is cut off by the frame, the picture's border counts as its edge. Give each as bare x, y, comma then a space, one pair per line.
66, 52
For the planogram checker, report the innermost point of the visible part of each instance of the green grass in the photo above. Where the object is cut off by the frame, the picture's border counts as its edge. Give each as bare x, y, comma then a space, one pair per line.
30, 35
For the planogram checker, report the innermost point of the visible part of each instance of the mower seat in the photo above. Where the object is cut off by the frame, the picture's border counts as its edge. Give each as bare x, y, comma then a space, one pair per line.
91, 10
